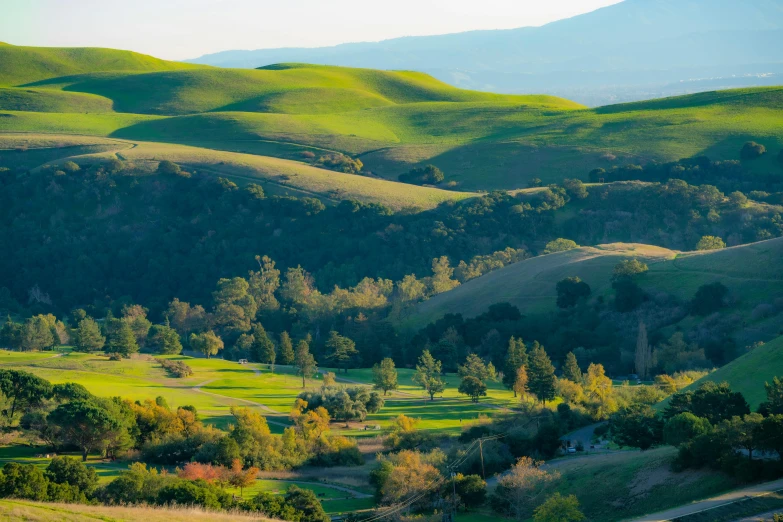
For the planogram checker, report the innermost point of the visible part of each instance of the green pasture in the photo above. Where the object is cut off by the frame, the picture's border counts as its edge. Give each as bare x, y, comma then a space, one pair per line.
749, 271
393, 120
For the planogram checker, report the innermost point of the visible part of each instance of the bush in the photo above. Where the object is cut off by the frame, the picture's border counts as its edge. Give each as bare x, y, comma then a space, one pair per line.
340, 163
560, 245
176, 368
570, 290
427, 175
709, 299
169, 168
629, 268
751, 150
710, 243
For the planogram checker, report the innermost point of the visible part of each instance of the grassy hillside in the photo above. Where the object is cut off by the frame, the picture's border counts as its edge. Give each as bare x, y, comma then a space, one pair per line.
748, 373
393, 120
751, 272
22, 65
50, 512
277, 176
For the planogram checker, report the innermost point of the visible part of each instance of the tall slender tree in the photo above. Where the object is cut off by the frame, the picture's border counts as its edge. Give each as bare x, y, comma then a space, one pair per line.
541, 374
571, 370
643, 352
304, 361
385, 376
428, 374
262, 349
516, 356
286, 349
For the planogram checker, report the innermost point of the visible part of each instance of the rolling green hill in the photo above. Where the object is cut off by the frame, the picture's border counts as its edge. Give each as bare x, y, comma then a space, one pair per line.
392, 120
751, 272
22, 65
748, 373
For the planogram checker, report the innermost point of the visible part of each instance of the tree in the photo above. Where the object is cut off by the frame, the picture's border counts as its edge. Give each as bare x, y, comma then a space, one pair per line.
471, 489
84, 424
558, 508
683, 428
742, 432
570, 290
428, 374
627, 295
23, 390
643, 353
521, 382
384, 375
37, 334
165, 340
426, 175
475, 367
541, 374
575, 188
304, 361
264, 283
710, 243
23, 481
67, 470
167, 167
88, 336
306, 505
472, 387
770, 434
636, 426
329, 379
441, 280
712, 401
598, 389
241, 478
207, 343
559, 245
709, 298
774, 403
122, 340
262, 348
235, 307
522, 487
571, 370
136, 317
516, 356
752, 150
286, 347
343, 352
629, 268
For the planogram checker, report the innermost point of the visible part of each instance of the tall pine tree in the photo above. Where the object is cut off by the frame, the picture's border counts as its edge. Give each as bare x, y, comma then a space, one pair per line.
263, 349
286, 349
571, 370
541, 374
516, 356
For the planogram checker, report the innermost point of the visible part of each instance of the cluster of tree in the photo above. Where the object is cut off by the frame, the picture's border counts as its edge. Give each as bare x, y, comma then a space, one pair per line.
341, 403
729, 175
340, 163
711, 426
426, 175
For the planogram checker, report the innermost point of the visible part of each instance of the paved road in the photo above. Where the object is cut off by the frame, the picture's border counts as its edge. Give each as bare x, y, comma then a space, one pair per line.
726, 498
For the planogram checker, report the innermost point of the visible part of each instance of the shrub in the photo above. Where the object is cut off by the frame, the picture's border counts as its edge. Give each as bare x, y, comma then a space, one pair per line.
752, 150
559, 245
170, 168
340, 163
710, 243
629, 268
176, 368
427, 175
709, 298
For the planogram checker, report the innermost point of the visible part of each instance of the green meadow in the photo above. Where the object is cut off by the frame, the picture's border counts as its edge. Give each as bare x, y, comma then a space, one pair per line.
391, 120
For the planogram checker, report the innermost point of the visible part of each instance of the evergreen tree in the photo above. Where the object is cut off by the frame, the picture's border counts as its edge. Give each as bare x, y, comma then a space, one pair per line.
571, 369
428, 374
88, 336
286, 349
385, 376
516, 356
643, 352
342, 351
541, 374
262, 349
304, 361
475, 367
123, 341
520, 383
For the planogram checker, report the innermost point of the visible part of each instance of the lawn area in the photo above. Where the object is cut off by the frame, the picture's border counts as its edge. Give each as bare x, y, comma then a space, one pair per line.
631, 483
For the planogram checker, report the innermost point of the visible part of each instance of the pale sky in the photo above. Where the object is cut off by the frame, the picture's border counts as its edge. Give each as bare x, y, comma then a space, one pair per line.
180, 29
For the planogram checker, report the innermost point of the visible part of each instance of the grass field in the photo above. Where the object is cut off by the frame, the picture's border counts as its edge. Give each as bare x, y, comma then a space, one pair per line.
23, 510
392, 119
628, 484
217, 385
748, 373
751, 273
277, 176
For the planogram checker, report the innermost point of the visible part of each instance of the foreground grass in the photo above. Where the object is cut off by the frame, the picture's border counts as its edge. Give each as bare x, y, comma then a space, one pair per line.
630, 484
22, 510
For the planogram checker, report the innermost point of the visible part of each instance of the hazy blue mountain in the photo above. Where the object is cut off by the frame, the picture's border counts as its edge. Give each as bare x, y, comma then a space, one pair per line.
633, 50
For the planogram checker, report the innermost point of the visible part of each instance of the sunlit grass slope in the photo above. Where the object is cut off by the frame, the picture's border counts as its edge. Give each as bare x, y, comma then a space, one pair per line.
748, 373
48, 100
29, 64
751, 272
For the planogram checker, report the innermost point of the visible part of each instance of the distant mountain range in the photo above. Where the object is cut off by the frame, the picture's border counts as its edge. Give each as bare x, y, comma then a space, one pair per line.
634, 50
